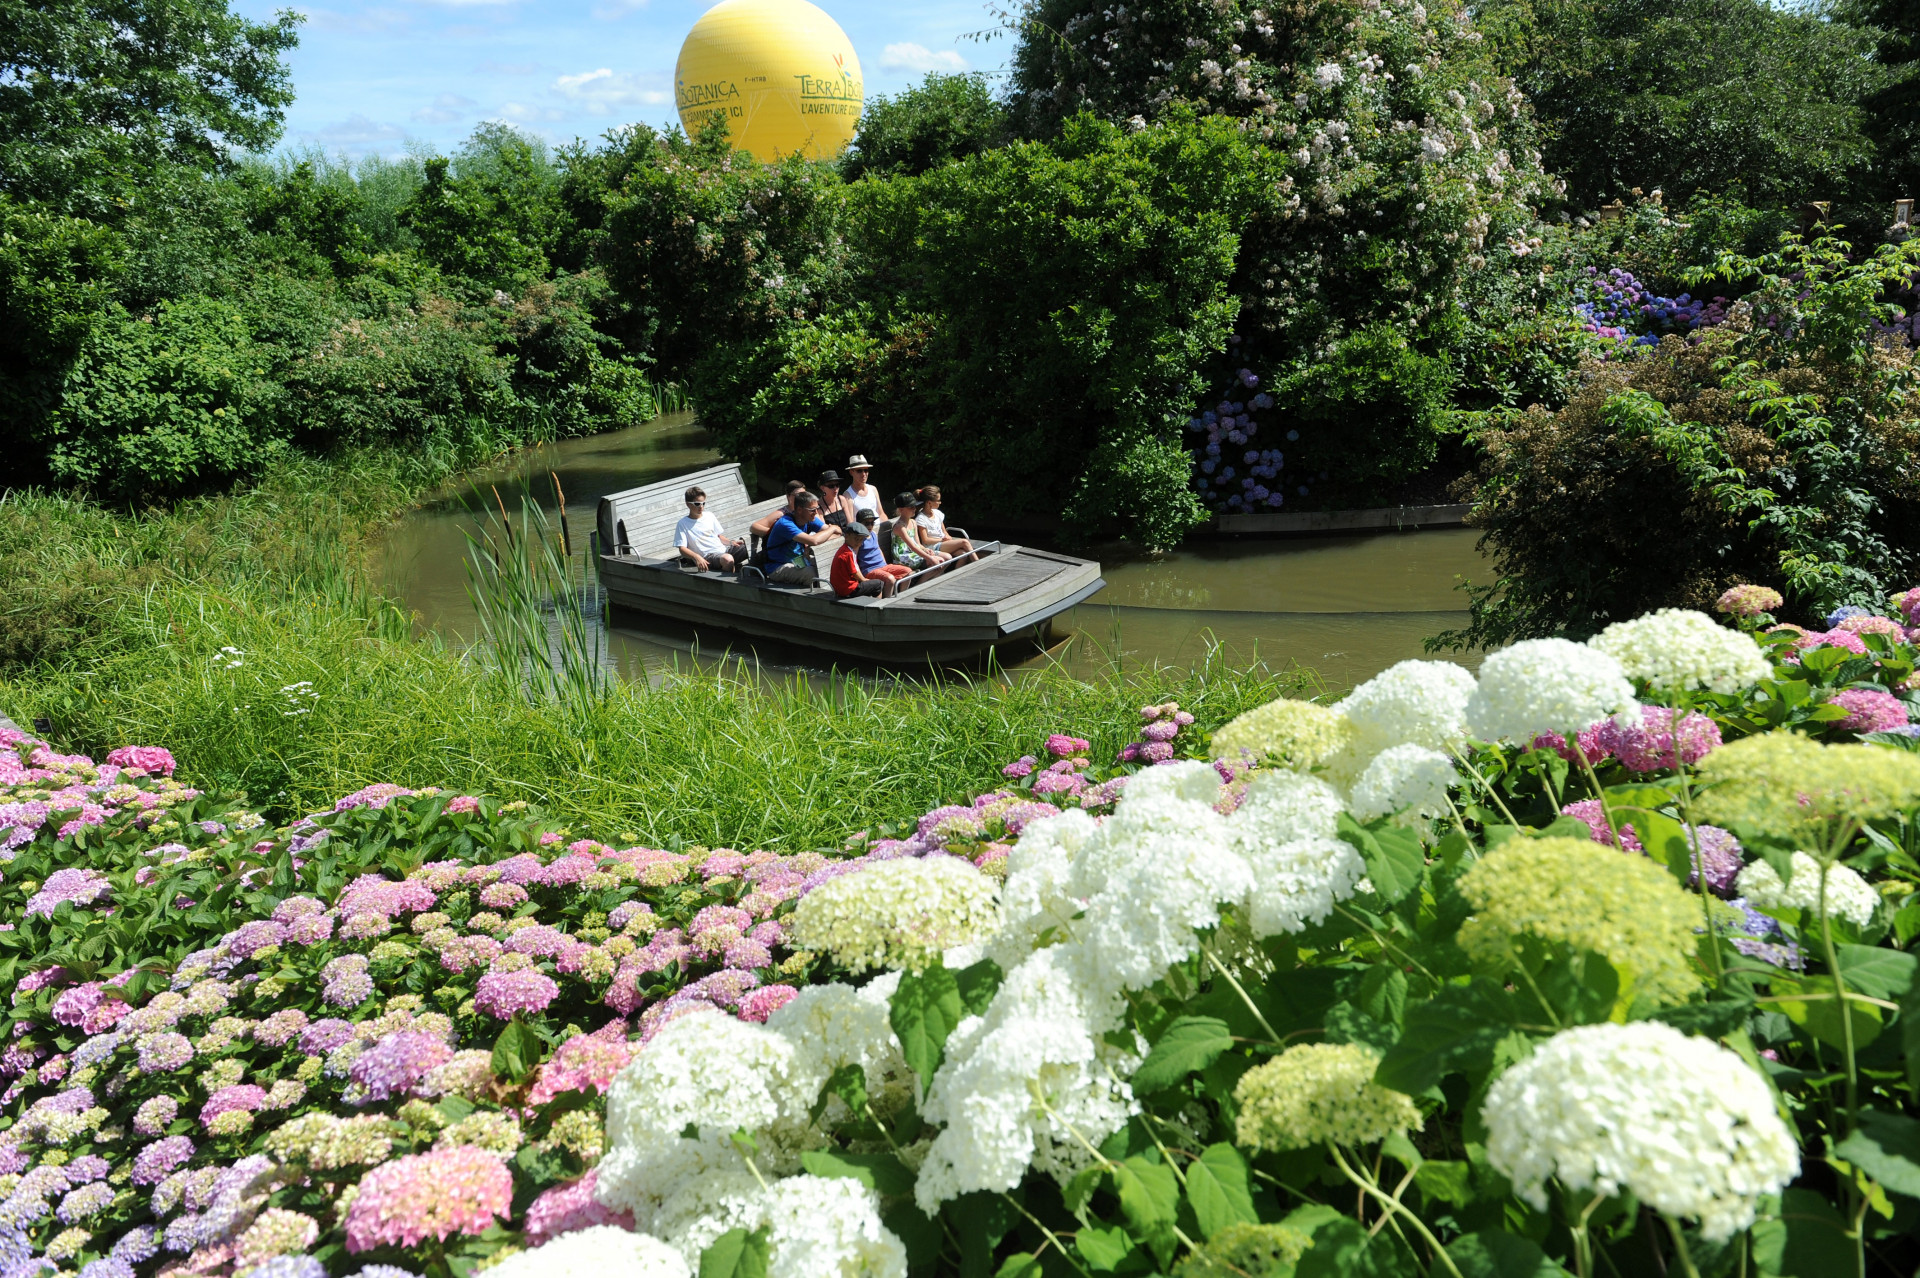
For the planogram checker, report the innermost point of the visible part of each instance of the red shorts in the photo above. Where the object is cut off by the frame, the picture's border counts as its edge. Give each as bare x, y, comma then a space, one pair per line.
893, 572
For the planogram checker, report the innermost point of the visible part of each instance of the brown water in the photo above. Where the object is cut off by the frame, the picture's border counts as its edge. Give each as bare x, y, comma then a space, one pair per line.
1346, 607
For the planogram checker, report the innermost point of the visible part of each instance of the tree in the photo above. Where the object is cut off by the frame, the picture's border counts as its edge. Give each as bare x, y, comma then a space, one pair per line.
1893, 110
1727, 96
946, 118
94, 93
492, 214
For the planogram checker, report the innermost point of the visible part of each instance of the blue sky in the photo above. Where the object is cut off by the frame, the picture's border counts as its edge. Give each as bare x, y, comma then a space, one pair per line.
376, 75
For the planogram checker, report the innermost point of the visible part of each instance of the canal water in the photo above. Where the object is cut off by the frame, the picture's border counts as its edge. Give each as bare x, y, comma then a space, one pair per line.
1345, 607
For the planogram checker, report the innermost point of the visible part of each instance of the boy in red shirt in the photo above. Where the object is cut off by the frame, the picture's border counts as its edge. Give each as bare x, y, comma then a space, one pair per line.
845, 574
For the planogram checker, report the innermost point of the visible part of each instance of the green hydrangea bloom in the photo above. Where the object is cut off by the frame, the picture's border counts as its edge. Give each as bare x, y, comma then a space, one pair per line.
1320, 1093
1587, 895
1293, 734
1244, 1250
1787, 784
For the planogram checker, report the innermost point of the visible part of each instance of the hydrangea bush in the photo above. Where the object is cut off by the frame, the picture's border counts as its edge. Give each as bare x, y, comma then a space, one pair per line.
1591, 963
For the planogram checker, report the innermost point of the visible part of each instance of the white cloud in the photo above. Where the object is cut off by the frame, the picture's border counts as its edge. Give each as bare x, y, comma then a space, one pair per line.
908, 56
602, 90
446, 108
522, 113
618, 9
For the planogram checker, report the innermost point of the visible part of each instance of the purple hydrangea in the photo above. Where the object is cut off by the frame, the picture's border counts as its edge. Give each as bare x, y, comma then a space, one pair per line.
160, 1159
164, 1053
137, 1245
250, 938
324, 1035
1719, 854
299, 1266
392, 1066
346, 983
80, 888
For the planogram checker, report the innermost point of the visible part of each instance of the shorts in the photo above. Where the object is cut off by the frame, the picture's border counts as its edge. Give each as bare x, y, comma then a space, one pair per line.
871, 586
893, 572
792, 575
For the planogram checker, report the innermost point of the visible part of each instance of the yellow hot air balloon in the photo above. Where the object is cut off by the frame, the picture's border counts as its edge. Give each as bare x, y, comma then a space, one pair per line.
782, 71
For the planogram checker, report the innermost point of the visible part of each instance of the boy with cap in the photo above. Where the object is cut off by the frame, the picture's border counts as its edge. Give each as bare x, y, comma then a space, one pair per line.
849, 580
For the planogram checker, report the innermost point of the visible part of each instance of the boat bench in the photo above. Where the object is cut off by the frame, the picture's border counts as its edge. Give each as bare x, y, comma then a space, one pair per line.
640, 522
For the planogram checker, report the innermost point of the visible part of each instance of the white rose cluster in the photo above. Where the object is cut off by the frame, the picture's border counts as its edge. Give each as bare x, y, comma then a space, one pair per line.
1849, 896
1681, 650
1680, 1122
1545, 685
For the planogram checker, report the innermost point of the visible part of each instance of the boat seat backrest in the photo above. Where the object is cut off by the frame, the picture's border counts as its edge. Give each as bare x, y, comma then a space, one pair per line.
640, 521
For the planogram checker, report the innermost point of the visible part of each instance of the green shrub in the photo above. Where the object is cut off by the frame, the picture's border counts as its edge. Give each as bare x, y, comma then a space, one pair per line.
1046, 312
1774, 448
1371, 412
942, 119
162, 404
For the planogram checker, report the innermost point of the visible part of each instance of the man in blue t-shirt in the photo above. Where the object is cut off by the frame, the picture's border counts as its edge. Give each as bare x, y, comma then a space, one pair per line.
790, 540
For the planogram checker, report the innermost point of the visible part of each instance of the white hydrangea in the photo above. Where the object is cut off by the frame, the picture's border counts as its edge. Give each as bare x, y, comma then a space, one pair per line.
706, 1070
1284, 806
1420, 703
897, 913
598, 1251
831, 1026
1034, 899
1403, 778
829, 1227
1681, 649
1164, 808
1018, 1082
696, 1209
1545, 685
1682, 1123
1299, 882
1849, 896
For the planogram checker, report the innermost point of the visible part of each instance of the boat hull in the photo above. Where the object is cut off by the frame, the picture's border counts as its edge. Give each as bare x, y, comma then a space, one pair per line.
1011, 596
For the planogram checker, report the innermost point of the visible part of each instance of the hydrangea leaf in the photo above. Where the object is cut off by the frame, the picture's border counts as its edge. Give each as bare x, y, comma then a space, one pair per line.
516, 1051
883, 1173
1877, 971
1495, 1253
1191, 1043
1150, 1198
1395, 860
1445, 1180
1456, 1030
918, 1232
980, 1221
1105, 1249
1887, 1147
924, 1011
1217, 1188
736, 1254
1020, 1265
1808, 1239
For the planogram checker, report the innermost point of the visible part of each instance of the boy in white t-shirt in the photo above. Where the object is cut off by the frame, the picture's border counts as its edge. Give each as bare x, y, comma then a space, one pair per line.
700, 540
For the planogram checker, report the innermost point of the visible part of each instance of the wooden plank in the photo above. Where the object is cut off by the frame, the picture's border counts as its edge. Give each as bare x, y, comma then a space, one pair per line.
1384, 517
639, 506
998, 578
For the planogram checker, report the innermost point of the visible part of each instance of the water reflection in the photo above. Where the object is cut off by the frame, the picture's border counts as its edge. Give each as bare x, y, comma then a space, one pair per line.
1344, 606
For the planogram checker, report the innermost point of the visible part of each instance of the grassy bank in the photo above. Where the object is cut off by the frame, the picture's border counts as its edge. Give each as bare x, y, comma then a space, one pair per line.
238, 631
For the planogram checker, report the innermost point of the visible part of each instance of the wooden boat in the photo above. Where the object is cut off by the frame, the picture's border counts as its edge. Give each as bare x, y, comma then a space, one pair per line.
1007, 593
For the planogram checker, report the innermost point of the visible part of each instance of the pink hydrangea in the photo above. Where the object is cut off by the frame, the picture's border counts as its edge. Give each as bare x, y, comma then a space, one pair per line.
1021, 767
458, 1190
758, 1004
502, 896
568, 1207
1870, 710
584, 1062
1748, 601
462, 803
501, 994
1591, 812
242, 1096
1871, 625
392, 1066
376, 894
1061, 746
1657, 743
1587, 740
151, 758
373, 796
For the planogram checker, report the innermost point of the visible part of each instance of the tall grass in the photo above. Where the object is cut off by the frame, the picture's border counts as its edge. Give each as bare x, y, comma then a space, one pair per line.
538, 608
114, 621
